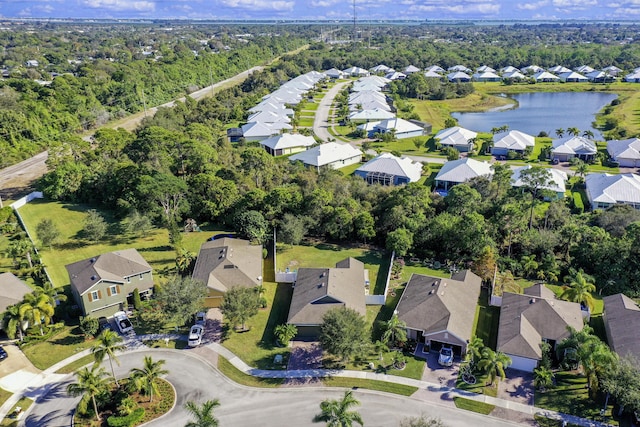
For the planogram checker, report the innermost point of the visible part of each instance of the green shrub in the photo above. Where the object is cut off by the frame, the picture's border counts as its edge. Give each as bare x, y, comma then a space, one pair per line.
578, 204
137, 304
128, 420
89, 326
5, 213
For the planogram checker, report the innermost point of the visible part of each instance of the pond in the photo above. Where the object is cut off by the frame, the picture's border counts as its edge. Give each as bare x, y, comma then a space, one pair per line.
542, 111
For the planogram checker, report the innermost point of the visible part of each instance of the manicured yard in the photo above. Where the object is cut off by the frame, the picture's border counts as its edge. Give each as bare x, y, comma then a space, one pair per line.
74, 366
4, 395
570, 396
68, 218
487, 319
257, 346
231, 372
24, 403
66, 343
305, 122
401, 389
472, 405
349, 170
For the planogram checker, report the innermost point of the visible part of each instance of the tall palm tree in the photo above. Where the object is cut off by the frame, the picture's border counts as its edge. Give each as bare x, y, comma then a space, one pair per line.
108, 343
38, 309
145, 378
573, 131
596, 359
380, 347
51, 292
337, 413
474, 349
203, 414
395, 331
90, 383
14, 317
493, 363
579, 289
560, 132
588, 134
529, 264
184, 260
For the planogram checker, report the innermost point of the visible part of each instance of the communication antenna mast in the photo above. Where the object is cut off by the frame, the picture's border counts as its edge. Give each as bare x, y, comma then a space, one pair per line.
355, 32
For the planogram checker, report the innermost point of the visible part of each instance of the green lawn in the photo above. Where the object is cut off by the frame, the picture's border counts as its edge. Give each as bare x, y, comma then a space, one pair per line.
570, 396
23, 403
66, 343
487, 319
401, 389
74, 366
311, 106
349, 170
68, 218
257, 346
4, 395
472, 405
234, 374
305, 122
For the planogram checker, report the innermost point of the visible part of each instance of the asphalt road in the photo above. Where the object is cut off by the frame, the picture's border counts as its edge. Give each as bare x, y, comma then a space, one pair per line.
194, 379
321, 120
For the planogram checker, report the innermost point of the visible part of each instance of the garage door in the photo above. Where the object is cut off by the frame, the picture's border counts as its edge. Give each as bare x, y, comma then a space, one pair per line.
523, 363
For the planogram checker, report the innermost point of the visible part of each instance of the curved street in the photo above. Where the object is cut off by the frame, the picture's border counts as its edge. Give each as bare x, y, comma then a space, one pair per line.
196, 380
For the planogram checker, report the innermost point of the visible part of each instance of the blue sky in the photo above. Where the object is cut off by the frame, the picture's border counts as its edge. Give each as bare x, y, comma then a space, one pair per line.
324, 9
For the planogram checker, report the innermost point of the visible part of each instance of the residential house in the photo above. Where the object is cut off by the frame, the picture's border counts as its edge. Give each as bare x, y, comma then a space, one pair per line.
565, 149
559, 69
387, 169
545, 77
318, 290
532, 69
613, 70
440, 311
12, 291
605, 190
32, 63
633, 77
514, 75
486, 76
269, 117
459, 171
435, 69
270, 106
370, 104
584, 69
600, 77
395, 75
622, 325
225, 263
458, 77
410, 70
557, 184
626, 152
380, 69
370, 115
356, 72
508, 69
432, 75
331, 155
526, 320
457, 137
572, 77
287, 143
365, 86
402, 128
485, 69
256, 131
104, 284
514, 140
459, 68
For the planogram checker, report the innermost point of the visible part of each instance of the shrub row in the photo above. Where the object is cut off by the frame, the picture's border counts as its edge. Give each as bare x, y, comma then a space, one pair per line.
128, 420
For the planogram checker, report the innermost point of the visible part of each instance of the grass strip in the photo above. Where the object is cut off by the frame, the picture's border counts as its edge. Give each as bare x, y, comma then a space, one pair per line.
235, 375
401, 389
74, 366
472, 405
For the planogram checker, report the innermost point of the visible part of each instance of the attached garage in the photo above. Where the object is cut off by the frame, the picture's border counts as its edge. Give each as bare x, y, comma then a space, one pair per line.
522, 363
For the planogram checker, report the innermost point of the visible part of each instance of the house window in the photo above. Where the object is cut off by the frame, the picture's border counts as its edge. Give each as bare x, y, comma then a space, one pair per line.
141, 276
95, 295
114, 290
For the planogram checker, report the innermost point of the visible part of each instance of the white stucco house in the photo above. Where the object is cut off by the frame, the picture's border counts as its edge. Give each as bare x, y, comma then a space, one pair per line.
626, 152
331, 155
605, 190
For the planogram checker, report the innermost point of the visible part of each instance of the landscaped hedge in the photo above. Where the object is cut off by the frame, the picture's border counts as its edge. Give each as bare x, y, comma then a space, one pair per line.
578, 204
134, 417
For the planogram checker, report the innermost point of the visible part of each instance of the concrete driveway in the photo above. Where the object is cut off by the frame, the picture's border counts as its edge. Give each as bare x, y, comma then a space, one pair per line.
517, 386
443, 375
304, 355
16, 370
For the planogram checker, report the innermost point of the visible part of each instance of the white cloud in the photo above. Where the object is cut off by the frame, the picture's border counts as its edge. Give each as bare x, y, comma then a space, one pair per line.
121, 5
256, 5
469, 7
532, 6
575, 3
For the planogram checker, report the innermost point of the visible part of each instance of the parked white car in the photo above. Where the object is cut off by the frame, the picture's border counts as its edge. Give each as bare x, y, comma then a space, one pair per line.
124, 324
201, 318
195, 335
446, 356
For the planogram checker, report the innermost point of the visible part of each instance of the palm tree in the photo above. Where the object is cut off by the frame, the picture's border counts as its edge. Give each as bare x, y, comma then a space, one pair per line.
579, 290
380, 347
529, 264
395, 331
336, 413
493, 363
14, 317
543, 378
51, 292
596, 358
581, 169
38, 309
90, 383
474, 349
145, 378
20, 248
203, 414
588, 134
285, 332
109, 342
573, 131
560, 132
184, 259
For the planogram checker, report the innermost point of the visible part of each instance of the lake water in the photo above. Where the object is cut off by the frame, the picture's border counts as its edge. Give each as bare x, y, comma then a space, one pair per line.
542, 111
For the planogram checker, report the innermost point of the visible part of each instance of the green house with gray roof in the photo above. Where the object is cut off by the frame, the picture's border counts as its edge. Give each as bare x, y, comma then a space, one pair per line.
101, 285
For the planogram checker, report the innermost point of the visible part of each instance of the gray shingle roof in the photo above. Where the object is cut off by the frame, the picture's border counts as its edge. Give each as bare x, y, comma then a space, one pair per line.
12, 290
317, 290
526, 319
225, 263
433, 304
622, 323
113, 267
